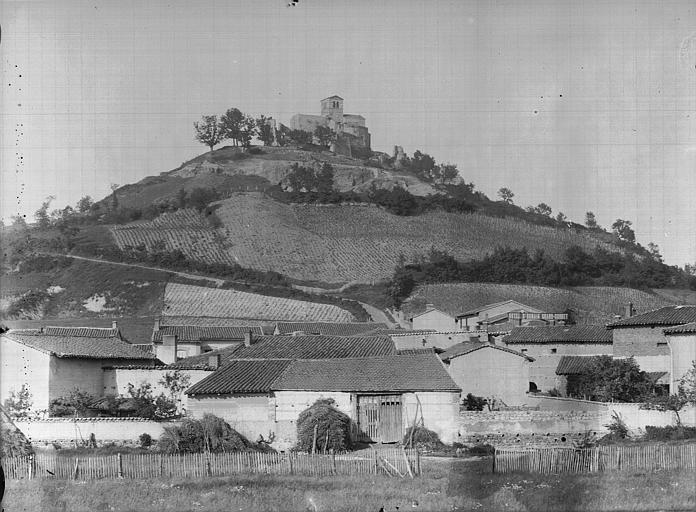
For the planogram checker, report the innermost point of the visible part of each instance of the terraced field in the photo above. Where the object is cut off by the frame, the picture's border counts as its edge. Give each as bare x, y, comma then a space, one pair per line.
345, 243
187, 300
591, 304
185, 230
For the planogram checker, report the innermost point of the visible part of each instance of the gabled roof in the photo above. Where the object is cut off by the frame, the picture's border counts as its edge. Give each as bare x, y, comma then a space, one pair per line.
82, 347
334, 97
90, 332
202, 361
689, 328
669, 315
205, 333
468, 347
560, 334
316, 347
430, 310
247, 376
328, 328
573, 365
476, 311
395, 373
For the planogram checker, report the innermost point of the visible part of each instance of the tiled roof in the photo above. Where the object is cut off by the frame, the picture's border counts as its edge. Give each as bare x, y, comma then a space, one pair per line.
669, 315
423, 372
477, 310
560, 334
202, 361
248, 376
90, 332
328, 328
211, 321
316, 347
132, 329
414, 351
78, 346
689, 328
572, 365
467, 347
204, 333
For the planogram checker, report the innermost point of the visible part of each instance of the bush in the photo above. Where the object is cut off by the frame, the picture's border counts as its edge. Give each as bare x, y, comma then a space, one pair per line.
423, 439
209, 434
254, 150
617, 427
669, 433
332, 427
480, 450
474, 403
145, 440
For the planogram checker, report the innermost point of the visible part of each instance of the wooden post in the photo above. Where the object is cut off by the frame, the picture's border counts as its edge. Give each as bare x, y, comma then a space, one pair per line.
31, 466
495, 453
314, 440
408, 464
120, 465
418, 465
333, 461
161, 465
376, 463
290, 459
77, 463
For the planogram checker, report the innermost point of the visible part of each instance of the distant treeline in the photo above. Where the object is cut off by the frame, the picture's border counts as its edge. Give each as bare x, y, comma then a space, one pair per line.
516, 266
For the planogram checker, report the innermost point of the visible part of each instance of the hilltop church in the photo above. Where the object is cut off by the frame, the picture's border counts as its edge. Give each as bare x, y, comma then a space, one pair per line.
353, 137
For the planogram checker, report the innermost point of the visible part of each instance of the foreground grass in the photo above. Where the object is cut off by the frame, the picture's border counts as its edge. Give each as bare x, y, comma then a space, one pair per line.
446, 486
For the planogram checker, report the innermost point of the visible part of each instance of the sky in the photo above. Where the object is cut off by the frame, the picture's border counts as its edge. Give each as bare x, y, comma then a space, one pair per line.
583, 105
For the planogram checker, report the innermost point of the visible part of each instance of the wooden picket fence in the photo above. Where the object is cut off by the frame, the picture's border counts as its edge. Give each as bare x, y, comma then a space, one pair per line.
392, 462
648, 457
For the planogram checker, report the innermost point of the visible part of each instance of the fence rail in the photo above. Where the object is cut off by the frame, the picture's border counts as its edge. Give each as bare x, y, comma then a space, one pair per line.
600, 458
394, 462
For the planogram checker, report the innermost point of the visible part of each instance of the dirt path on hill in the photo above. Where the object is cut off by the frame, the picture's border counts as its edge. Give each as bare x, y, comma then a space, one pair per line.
195, 277
377, 314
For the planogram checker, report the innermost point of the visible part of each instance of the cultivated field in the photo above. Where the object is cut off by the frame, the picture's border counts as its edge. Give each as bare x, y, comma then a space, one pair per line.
342, 243
446, 485
184, 230
592, 304
187, 300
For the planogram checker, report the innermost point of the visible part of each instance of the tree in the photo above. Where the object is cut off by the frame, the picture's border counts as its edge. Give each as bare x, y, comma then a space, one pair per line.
300, 136
18, 221
209, 131
175, 383
543, 209
325, 181
41, 215
231, 124
422, 165
448, 173
324, 135
84, 204
264, 130
114, 197
506, 195
609, 379
675, 402
247, 130
561, 218
591, 220
18, 404
654, 251
622, 229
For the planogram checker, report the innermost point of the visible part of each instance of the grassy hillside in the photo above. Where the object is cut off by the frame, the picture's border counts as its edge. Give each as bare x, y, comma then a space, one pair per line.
591, 304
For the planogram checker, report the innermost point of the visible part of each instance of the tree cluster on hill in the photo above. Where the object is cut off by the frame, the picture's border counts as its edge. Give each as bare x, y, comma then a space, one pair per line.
516, 266
424, 167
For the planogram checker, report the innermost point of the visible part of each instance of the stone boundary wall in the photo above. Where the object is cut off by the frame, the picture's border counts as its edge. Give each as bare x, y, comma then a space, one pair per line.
71, 431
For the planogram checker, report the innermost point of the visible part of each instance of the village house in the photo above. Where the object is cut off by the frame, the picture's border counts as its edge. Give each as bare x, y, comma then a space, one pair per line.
505, 315
352, 134
682, 345
497, 373
433, 319
549, 343
438, 340
53, 361
382, 395
173, 342
643, 337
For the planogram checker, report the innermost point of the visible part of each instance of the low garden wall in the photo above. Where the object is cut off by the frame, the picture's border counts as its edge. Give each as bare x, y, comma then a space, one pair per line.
77, 431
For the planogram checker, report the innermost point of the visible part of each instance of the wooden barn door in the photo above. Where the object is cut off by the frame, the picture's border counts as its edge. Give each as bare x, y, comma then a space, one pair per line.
379, 418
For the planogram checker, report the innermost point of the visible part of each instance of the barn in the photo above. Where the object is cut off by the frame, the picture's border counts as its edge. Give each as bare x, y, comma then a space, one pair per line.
383, 395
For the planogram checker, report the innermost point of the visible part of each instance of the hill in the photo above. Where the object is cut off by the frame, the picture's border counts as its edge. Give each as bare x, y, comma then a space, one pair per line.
590, 304
336, 243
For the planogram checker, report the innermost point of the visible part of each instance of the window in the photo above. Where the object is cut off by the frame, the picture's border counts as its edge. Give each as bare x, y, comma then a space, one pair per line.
661, 343
553, 350
524, 350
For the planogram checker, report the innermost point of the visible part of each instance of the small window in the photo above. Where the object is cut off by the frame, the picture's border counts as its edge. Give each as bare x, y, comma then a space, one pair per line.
524, 350
661, 343
553, 350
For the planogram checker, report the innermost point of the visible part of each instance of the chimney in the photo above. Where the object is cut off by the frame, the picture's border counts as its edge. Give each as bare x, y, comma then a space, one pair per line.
166, 352
247, 338
214, 361
157, 325
628, 310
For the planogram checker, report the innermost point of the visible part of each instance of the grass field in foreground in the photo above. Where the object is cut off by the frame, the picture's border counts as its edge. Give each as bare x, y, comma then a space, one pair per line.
446, 485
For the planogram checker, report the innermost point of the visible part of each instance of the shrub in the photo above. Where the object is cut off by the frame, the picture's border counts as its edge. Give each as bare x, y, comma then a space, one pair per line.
209, 434
422, 438
332, 427
474, 403
669, 433
145, 440
18, 404
617, 427
481, 450
254, 150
